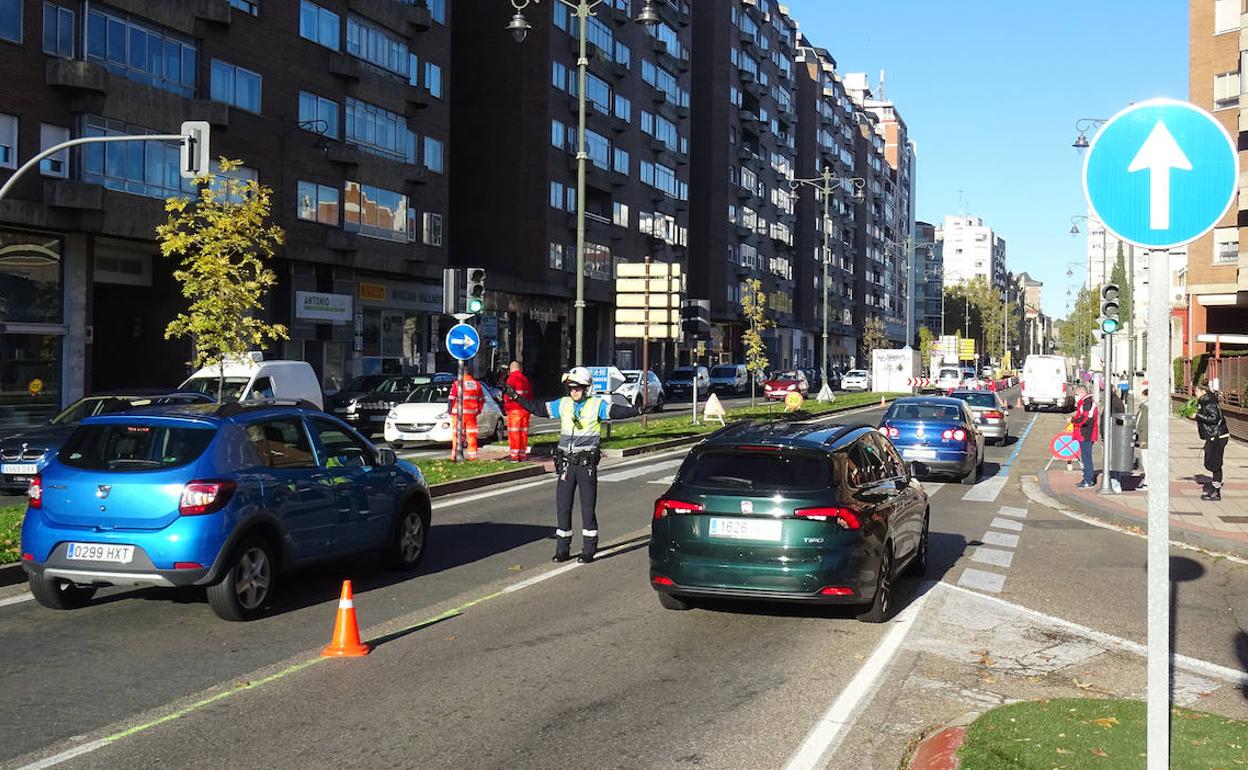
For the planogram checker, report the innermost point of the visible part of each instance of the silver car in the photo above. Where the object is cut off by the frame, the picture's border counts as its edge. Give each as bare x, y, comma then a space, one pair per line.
989, 412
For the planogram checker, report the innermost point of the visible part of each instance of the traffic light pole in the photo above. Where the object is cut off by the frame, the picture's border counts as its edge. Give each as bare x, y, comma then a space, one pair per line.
1107, 352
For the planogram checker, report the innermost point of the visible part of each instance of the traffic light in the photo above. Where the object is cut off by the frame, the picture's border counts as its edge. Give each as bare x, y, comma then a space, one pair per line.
450, 290
476, 289
695, 317
1109, 308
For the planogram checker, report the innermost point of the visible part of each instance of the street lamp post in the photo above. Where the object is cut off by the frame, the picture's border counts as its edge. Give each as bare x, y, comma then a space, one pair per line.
519, 28
824, 185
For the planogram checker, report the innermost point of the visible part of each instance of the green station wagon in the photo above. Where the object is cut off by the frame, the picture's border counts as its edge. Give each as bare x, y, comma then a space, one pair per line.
795, 512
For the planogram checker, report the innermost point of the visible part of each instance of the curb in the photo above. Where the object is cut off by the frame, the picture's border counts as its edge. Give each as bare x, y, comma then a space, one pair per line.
487, 480
938, 751
12, 574
1179, 531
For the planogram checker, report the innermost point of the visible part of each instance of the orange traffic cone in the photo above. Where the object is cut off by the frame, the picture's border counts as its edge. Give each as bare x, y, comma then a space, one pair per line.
346, 642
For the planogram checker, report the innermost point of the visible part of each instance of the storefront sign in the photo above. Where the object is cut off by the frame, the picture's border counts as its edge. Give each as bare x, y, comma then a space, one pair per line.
316, 306
422, 297
372, 292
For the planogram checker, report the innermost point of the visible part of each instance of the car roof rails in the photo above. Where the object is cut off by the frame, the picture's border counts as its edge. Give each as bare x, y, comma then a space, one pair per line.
235, 408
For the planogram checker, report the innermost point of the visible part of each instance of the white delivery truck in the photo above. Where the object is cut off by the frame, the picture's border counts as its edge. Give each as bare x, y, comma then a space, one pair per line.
254, 378
892, 370
1046, 381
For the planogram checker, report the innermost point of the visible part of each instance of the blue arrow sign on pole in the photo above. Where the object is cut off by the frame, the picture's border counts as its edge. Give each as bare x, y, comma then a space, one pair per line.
462, 342
1161, 173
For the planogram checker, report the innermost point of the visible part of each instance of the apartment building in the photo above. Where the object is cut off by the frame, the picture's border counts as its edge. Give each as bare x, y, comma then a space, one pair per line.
353, 141
929, 294
1217, 264
515, 169
970, 248
744, 219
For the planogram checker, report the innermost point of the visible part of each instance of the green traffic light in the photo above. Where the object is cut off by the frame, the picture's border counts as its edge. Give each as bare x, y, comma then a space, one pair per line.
1110, 325
476, 305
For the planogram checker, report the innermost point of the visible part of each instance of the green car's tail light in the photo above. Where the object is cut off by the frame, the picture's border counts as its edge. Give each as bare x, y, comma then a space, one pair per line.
837, 591
663, 506
844, 517
659, 580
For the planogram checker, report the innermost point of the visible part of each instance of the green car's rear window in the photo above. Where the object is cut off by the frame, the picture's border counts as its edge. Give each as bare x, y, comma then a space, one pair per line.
123, 448
753, 469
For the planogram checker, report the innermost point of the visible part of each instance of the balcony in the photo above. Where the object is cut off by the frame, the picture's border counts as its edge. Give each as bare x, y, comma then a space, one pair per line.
192, 17
340, 240
657, 145
343, 154
76, 75
745, 76
396, 16
70, 194
419, 19
345, 67
418, 97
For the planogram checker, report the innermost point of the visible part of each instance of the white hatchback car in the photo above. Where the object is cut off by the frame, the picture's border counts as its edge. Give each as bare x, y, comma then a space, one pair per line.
856, 379
423, 418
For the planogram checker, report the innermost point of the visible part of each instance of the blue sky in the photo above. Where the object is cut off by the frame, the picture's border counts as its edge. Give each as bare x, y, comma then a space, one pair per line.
991, 90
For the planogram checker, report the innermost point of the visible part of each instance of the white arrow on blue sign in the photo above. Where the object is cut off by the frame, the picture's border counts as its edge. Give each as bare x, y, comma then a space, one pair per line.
462, 342
1161, 173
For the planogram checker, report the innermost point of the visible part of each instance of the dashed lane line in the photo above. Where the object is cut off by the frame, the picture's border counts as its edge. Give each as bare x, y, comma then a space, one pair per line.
999, 538
643, 470
18, 599
987, 491
997, 557
1010, 524
1018, 513
981, 580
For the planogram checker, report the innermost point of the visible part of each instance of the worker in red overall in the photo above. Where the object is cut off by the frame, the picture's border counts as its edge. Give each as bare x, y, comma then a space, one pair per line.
517, 416
473, 403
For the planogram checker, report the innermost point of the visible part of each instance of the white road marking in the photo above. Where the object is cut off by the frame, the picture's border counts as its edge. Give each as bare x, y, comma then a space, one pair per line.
987, 491
983, 581
999, 538
664, 480
1238, 678
67, 755
828, 732
994, 556
932, 487
1018, 513
1010, 524
16, 599
644, 470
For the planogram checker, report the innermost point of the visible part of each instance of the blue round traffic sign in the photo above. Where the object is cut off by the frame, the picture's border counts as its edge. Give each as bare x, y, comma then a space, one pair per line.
1161, 173
1064, 446
462, 342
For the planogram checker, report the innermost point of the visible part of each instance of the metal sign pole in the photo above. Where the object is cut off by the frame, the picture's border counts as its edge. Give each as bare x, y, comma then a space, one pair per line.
460, 434
643, 380
1107, 353
1157, 471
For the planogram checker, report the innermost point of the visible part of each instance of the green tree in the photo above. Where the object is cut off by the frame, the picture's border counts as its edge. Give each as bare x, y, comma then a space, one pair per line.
1119, 276
927, 344
754, 308
222, 242
1076, 334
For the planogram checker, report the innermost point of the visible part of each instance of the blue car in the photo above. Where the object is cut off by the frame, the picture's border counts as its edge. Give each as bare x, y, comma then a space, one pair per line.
939, 434
229, 497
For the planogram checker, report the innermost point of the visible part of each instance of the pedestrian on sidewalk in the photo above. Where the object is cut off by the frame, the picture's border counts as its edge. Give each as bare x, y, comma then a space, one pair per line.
580, 414
1141, 436
1086, 420
473, 403
517, 416
1211, 424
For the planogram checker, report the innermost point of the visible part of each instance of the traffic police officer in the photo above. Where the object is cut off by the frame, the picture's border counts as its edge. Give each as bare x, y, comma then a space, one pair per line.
580, 415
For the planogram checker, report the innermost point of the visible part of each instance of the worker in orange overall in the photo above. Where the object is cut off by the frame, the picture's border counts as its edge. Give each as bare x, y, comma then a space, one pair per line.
517, 416
473, 403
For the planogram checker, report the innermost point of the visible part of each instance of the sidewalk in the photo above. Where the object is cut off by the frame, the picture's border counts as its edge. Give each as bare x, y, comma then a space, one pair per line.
1220, 526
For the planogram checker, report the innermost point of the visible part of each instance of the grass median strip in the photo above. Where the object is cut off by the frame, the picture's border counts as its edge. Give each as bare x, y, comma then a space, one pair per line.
442, 470
631, 434
11, 532
1110, 734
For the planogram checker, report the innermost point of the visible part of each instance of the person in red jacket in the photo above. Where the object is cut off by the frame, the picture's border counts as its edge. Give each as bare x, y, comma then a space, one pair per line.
517, 416
1086, 420
473, 404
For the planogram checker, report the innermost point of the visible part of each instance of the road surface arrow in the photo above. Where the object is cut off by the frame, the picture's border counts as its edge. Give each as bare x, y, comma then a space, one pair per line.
1159, 153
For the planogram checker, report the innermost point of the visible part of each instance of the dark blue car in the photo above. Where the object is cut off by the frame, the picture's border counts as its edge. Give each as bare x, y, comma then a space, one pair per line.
223, 496
939, 433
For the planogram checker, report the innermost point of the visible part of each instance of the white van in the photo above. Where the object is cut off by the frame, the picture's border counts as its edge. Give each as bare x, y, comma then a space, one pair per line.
250, 378
1046, 382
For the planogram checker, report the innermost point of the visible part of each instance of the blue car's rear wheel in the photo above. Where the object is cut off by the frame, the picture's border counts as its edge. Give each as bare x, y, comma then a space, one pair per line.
247, 584
409, 540
57, 594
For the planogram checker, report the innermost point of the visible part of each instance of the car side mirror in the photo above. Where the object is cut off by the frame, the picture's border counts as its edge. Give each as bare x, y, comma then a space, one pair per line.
386, 456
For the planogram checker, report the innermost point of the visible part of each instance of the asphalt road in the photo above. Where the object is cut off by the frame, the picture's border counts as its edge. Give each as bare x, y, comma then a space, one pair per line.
581, 667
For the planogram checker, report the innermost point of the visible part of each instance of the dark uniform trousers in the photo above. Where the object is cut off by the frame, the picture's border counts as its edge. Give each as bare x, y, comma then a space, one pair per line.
583, 478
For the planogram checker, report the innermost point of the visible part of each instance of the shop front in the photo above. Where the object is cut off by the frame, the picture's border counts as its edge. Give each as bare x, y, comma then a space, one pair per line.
32, 327
396, 327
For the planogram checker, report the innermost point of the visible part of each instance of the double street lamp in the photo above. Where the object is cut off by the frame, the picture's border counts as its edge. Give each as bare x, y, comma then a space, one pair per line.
824, 184
519, 28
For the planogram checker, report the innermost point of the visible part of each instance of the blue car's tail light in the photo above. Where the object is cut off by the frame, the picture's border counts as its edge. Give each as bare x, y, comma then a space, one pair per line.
201, 497
957, 434
34, 493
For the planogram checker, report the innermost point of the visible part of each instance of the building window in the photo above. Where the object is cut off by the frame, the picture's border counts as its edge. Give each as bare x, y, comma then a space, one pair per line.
11, 20
235, 86
318, 203
376, 46
58, 31
1225, 16
554, 258
437, 10
1225, 245
375, 213
558, 134
8, 141
623, 109
620, 162
380, 131
318, 114
248, 6
140, 168
1226, 90
433, 155
433, 79
619, 214
432, 229
141, 52
319, 25
54, 165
